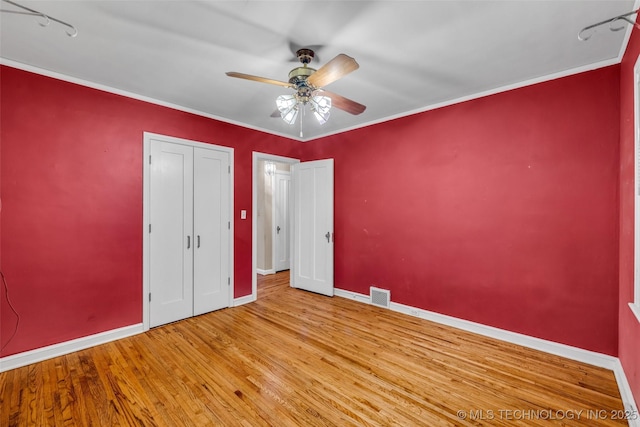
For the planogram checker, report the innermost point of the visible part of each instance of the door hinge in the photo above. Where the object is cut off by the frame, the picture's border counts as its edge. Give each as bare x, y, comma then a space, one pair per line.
229, 225
149, 296
149, 158
149, 228
229, 281
229, 168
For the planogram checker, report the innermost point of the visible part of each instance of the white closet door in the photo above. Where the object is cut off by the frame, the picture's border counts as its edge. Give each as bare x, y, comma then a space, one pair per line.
211, 229
171, 239
281, 223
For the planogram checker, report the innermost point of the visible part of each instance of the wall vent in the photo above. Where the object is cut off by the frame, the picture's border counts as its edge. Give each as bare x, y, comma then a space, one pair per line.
380, 297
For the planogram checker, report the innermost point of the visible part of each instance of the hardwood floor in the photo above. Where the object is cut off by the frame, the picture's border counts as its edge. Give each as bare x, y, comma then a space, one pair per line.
296, 358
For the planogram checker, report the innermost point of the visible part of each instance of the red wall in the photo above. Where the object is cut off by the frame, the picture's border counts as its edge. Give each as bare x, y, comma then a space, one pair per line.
72, 203
501, 210
629, 339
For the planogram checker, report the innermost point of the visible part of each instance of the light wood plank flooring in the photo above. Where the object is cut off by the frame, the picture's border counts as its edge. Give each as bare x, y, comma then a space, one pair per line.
294, 358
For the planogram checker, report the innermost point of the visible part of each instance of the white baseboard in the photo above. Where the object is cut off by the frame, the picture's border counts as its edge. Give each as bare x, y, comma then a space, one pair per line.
626, 394
244, 300
574, 353
39, 354
570, 352
635, 309
265, 272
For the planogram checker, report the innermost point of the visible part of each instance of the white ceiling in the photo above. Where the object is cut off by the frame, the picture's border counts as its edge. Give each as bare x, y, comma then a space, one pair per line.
413, 55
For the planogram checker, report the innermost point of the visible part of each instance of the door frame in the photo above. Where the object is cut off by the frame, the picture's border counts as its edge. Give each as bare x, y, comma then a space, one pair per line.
146, 207
257, 156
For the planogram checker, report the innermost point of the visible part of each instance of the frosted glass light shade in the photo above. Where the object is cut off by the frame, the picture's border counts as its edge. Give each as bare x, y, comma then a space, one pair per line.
288, 107
320, 105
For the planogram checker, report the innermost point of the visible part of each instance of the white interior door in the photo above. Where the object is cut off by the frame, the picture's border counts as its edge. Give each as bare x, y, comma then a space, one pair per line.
170, 237
312, 267
211, 231
281, 221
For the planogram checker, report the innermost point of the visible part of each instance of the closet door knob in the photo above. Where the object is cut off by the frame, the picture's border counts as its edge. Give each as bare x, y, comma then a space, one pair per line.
188, 242
198, 244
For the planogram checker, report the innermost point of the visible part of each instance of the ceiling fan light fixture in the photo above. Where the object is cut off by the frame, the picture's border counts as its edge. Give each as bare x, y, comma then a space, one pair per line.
288, 107
290, 116
320, 105
306, 82
286, 102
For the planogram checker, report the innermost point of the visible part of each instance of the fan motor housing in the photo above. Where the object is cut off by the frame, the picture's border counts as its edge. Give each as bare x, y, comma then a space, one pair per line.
300, 74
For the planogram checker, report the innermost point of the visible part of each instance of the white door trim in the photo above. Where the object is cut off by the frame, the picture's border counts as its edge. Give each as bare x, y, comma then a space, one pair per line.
146, 152
254, 219
635, 304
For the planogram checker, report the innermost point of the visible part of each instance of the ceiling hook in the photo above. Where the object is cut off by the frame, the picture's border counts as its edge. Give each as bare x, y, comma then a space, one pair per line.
613, 21
585, 29
72, 32
610, 21
634, 23
46, 23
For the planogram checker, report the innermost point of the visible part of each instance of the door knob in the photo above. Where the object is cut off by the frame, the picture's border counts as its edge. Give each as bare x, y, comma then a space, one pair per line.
328, 236
278, 229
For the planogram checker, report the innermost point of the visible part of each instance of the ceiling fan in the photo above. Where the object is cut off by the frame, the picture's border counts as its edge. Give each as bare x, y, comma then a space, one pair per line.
308, 84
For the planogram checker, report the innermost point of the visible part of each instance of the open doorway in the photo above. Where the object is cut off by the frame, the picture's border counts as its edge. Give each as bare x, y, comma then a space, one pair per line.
272, 215
271, 231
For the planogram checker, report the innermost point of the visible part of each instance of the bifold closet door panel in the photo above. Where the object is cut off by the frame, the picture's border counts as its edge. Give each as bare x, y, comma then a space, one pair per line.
171, 236
211, 230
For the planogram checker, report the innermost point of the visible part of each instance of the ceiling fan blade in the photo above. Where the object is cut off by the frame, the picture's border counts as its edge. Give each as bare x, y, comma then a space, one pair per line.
337, 68
258, 79
343, 103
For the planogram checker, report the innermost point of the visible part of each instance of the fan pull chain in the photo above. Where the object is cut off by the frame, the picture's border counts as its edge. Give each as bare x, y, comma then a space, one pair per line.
301, 117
